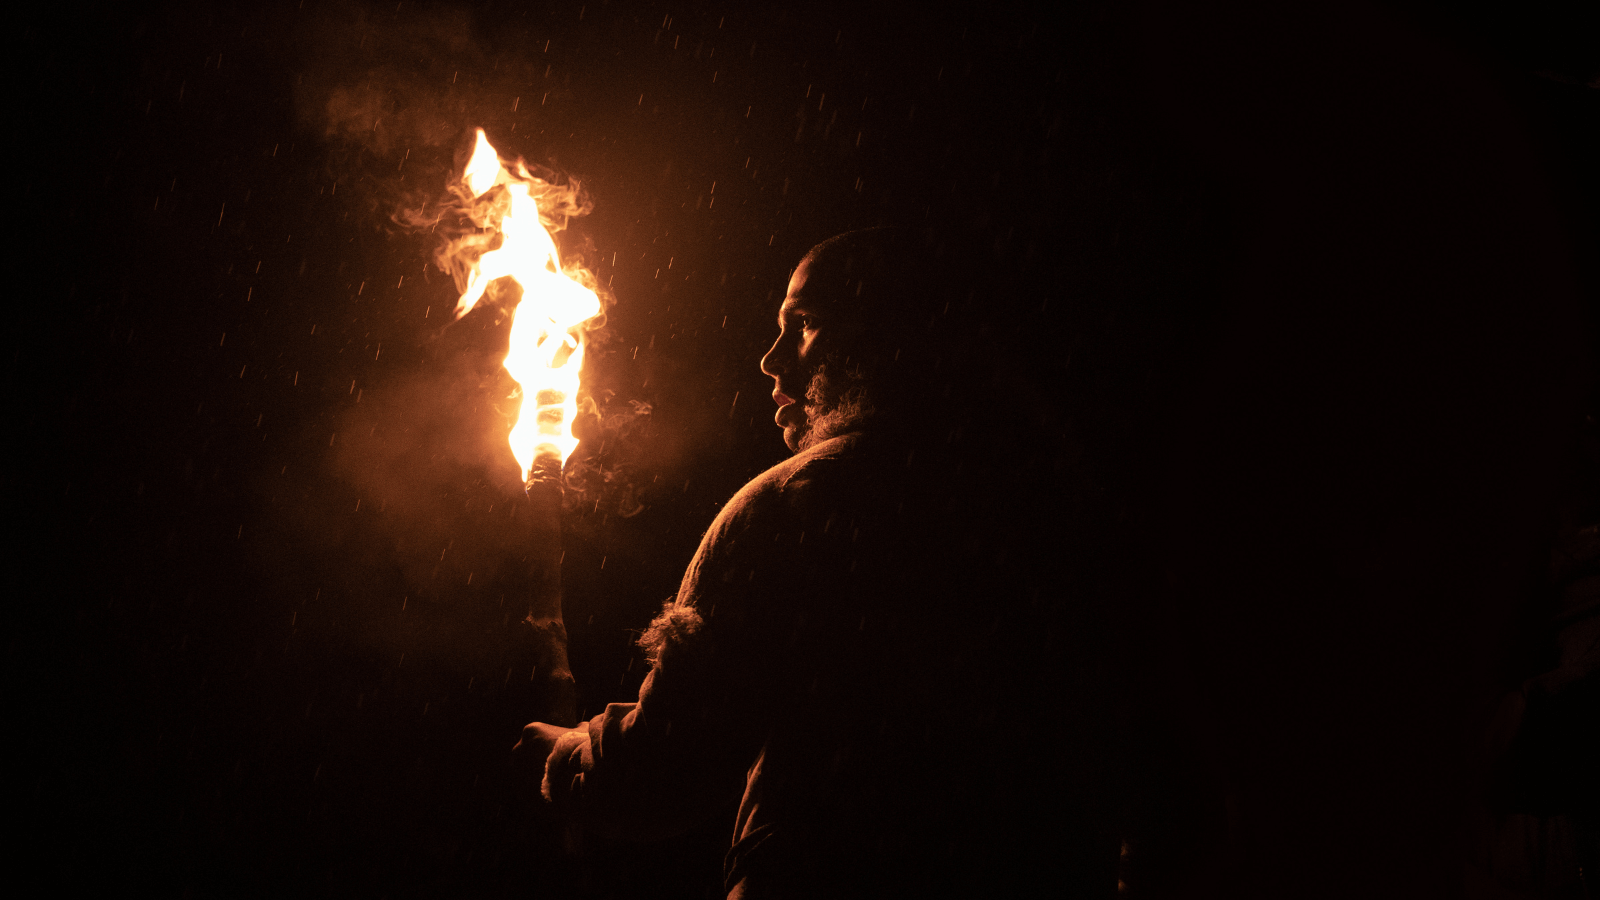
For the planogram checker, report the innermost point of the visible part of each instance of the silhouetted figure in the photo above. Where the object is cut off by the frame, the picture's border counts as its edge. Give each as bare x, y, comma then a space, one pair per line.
863, 647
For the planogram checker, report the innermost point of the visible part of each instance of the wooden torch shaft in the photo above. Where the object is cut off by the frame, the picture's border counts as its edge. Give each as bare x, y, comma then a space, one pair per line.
549, 633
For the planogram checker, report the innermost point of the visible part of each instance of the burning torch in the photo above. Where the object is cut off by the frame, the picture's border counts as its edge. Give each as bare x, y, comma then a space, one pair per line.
520, 267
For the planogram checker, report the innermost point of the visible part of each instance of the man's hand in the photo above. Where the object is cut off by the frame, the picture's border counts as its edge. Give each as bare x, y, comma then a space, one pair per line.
537, 741
531, 755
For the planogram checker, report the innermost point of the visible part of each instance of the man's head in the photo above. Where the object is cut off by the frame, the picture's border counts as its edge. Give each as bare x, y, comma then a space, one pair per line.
841, 328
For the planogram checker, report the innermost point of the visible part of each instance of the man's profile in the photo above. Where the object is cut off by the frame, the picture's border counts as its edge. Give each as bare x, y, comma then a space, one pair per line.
841, 658
818, 396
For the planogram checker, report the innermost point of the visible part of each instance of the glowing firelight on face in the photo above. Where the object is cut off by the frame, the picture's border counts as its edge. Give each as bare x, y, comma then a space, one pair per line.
546, 348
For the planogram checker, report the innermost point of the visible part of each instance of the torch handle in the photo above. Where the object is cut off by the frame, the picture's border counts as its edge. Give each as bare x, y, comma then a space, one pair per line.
549, 633
558, 691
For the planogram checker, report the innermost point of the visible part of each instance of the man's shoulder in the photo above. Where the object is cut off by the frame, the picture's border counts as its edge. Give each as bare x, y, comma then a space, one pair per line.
833, 456
830, 466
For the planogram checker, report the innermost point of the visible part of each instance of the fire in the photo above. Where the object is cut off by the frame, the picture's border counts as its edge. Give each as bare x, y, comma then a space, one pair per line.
547, 335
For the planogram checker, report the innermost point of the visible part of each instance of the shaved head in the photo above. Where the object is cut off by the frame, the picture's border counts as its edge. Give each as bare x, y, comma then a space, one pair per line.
858, 306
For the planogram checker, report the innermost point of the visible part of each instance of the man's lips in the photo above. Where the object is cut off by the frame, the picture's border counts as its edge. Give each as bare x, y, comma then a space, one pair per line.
785, 405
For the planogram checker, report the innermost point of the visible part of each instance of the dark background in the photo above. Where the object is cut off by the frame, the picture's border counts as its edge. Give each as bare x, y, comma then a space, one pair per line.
1301, 300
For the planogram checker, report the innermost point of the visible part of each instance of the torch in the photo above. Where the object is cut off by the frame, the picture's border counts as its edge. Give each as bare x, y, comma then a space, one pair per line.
520, 267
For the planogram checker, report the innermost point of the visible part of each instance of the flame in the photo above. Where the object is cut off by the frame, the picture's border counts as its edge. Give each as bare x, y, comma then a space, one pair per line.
547, 336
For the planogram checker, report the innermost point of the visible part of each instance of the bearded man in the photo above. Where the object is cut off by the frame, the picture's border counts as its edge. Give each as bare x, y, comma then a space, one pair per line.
843, 653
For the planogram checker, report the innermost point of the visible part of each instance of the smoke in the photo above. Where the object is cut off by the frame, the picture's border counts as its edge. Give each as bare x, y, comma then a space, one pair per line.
428, 451
395, 100
378, 85
601, 475
392, 95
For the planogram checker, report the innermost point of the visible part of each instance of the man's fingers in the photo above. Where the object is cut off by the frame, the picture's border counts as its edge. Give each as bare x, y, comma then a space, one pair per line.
529, 738
538, 738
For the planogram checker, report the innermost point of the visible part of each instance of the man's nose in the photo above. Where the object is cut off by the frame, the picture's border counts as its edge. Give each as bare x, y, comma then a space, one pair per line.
772, 364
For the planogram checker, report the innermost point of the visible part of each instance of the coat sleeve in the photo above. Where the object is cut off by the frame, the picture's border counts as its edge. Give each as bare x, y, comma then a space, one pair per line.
656, 766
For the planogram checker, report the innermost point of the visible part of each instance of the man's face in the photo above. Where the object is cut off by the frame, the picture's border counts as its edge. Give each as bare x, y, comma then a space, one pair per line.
810, 332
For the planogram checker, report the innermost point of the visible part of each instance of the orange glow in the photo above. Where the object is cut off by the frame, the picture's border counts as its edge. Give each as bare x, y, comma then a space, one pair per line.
547, 335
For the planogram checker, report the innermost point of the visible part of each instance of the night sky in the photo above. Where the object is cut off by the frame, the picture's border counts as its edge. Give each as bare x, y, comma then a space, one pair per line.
1302, 304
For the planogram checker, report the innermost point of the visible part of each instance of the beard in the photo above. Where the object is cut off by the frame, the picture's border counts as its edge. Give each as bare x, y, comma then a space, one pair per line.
835, 404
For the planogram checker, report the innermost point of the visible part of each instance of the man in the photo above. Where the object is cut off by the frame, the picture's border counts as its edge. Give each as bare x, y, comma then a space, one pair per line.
840, 655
